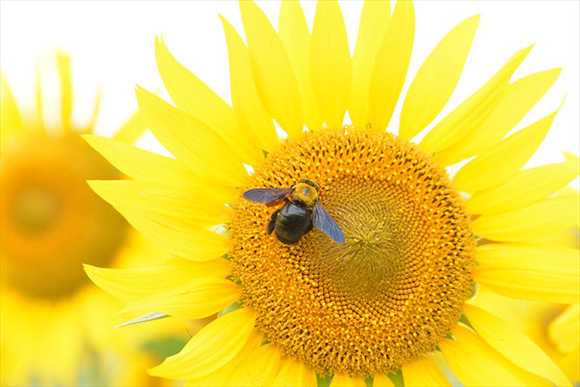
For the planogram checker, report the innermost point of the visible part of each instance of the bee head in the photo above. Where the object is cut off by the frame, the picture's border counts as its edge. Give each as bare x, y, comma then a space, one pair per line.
310, 183
305, 192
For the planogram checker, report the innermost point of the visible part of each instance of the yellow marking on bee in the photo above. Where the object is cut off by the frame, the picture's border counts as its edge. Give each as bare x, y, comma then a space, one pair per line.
304, 193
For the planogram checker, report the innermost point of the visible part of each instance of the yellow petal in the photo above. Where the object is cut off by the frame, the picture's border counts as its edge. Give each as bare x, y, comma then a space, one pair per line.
330, 63
524, 188
564, 330
63, 62
217, 377
132, 284
250, 112
382, 380
199, 147
159, 200
310, 379
9, 116
571, 157
192, 95
211, 348
436, 79
179, 237
273, 73
423, 373
569, 363
151, 167
517, 101
504, 160
474, 110
344, 380
259, 369
291, 373
545, 217
373, 25
392, 64
95, 116
196, 299
132, 130
514, 345
38, 95
295, 36
475, 363
531, 272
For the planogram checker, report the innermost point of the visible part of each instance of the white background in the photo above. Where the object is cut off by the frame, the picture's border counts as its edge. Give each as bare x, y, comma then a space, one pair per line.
112, 43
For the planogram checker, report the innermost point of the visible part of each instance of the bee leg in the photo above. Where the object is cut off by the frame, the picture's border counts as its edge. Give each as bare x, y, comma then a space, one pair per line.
272, 222
309, 228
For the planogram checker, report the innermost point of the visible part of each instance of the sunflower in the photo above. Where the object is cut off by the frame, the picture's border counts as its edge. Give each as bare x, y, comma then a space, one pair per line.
393, 304
56, 325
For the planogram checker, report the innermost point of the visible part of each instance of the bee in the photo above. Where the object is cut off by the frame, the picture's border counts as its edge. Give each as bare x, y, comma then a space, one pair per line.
300, 213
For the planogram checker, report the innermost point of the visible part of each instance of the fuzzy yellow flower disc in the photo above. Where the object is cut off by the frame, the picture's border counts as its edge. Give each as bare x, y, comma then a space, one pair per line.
51, 220
387, 294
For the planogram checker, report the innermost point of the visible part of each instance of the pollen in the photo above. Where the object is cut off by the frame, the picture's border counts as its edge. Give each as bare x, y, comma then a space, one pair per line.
392, 290
50, 219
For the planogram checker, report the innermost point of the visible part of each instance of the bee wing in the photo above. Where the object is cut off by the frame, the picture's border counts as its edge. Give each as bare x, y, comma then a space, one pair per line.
266, 195
324, 222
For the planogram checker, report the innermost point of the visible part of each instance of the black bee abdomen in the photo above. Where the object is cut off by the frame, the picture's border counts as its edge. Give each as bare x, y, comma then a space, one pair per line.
292, 223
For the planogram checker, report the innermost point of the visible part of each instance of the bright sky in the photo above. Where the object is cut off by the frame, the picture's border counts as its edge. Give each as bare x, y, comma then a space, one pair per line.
111, 43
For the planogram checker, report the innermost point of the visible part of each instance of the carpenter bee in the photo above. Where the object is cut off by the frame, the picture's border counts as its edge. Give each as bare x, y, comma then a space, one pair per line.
300, 212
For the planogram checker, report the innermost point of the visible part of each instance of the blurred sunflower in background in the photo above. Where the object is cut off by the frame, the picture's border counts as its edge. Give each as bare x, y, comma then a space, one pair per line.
56, 327
395, 303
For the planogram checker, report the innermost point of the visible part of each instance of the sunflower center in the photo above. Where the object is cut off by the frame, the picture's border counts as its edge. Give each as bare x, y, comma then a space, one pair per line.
397, 284
35, 211
50, 220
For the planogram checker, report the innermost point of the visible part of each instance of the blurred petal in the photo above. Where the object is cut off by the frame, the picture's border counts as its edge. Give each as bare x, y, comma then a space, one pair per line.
38, 95
9, 116
63, 62
95, 116
564, 330
132, 130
